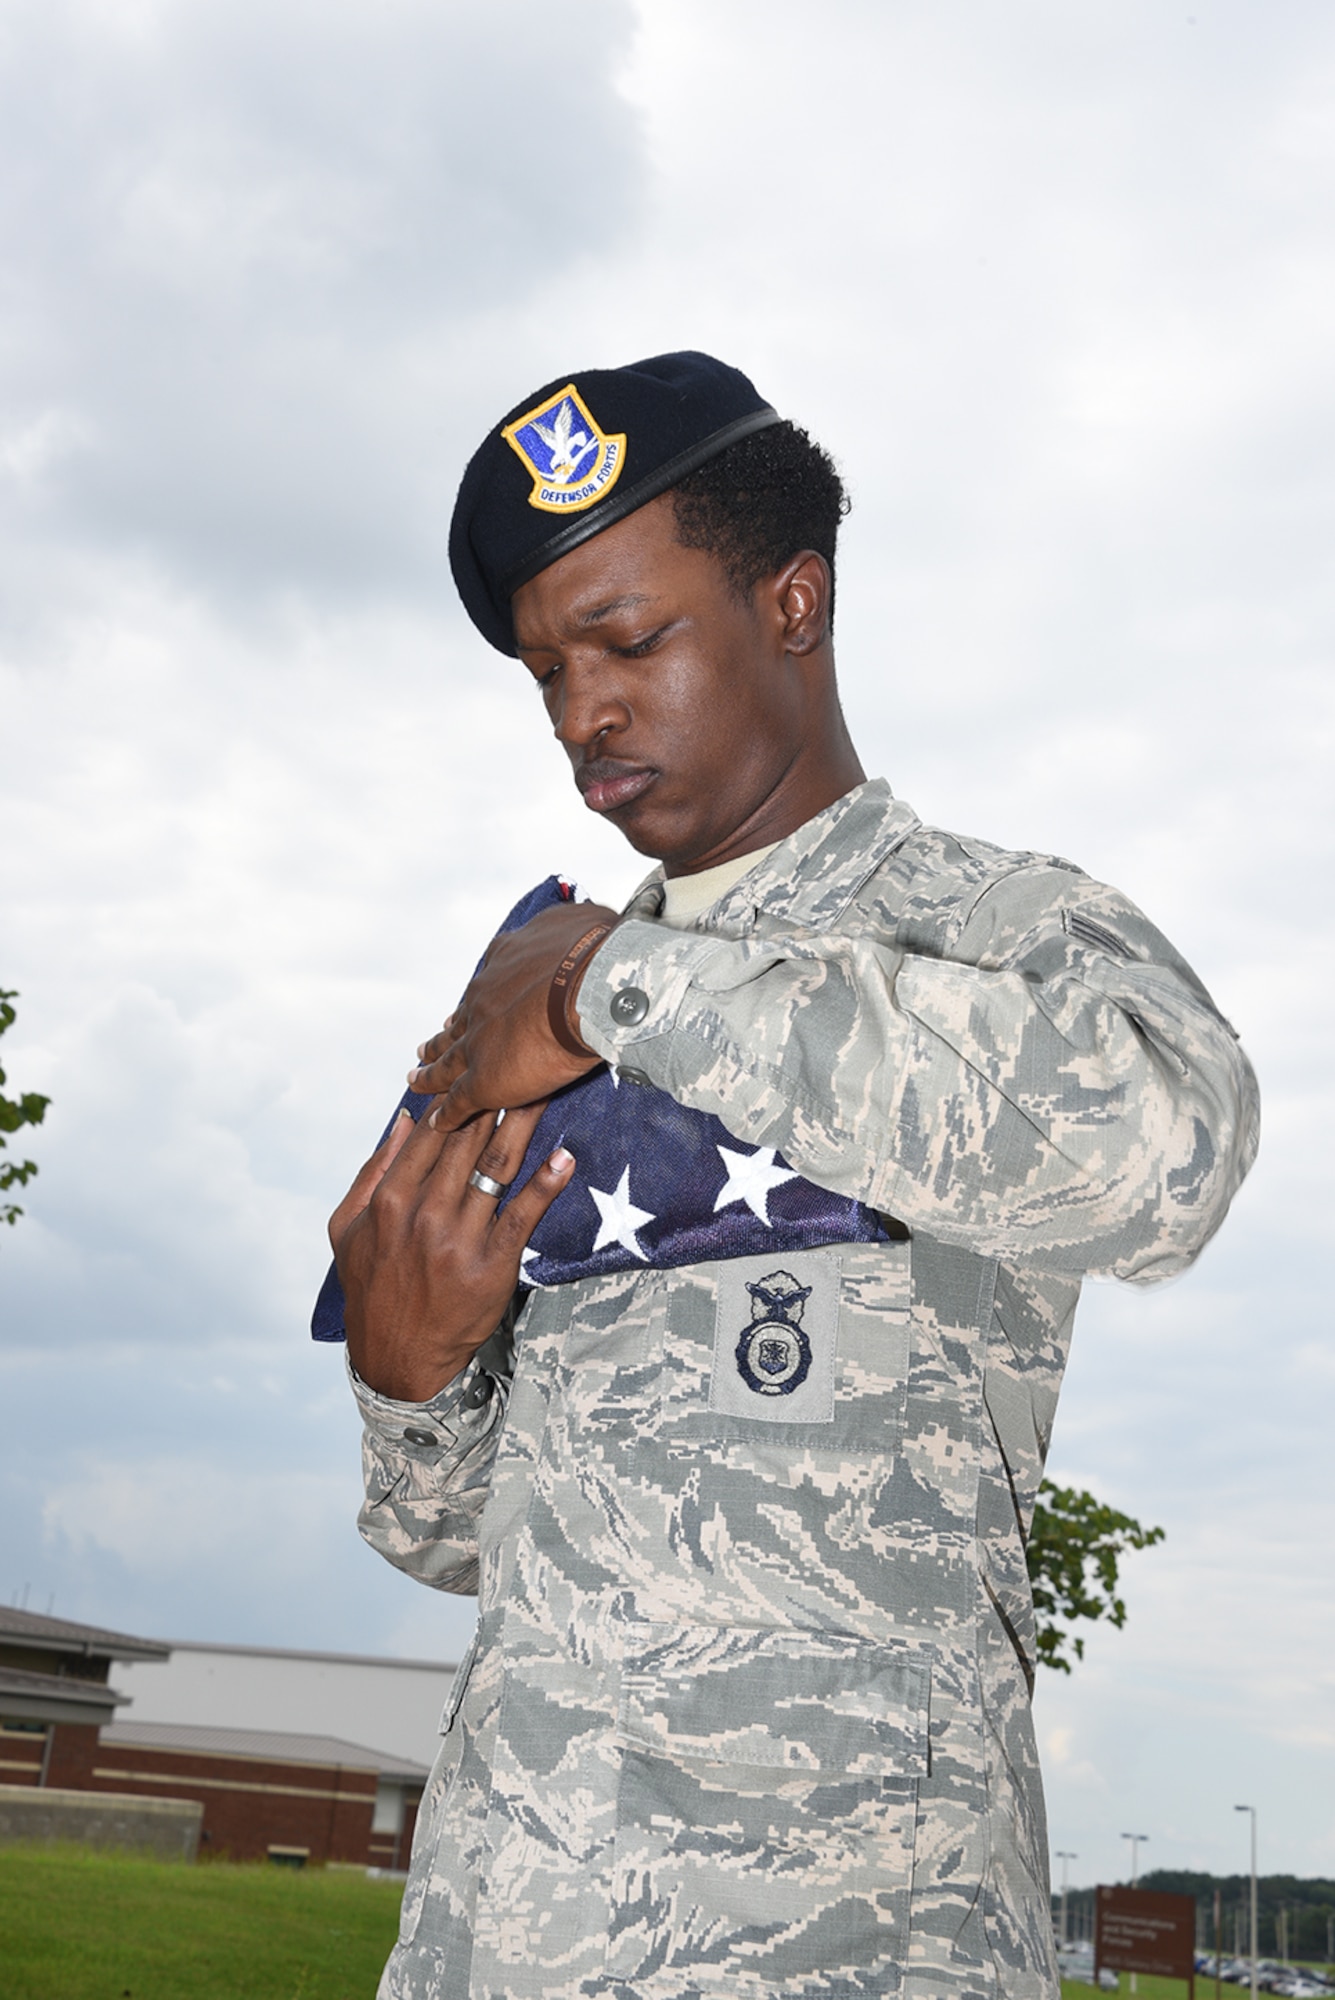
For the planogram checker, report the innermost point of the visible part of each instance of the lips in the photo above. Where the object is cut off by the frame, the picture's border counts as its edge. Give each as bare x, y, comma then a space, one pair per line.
607, 784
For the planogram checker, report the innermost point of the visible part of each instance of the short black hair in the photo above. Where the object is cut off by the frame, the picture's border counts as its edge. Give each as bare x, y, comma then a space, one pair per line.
759, 502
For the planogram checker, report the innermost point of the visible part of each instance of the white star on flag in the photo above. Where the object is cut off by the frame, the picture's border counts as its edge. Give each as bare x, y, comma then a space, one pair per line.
751, 1176
620, 1218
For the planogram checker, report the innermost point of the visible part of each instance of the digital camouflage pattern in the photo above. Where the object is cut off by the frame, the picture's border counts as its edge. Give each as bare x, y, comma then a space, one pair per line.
747, 1712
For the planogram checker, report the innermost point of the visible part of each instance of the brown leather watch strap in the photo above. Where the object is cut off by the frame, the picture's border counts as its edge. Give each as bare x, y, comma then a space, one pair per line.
561, 990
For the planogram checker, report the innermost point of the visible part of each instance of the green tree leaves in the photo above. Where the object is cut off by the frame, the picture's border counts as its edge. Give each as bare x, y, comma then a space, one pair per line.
1073, 1552
30, 1109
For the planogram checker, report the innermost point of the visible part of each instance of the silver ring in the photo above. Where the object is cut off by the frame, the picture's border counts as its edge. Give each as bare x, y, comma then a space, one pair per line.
486, 1185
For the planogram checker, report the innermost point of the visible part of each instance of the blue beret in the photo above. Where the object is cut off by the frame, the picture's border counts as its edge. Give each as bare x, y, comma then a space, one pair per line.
580, 454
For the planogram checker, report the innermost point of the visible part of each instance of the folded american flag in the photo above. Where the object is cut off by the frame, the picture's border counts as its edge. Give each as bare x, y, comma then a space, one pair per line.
656, 1184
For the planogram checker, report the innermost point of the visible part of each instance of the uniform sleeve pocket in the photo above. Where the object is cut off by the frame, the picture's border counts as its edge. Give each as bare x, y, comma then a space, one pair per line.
766, 1811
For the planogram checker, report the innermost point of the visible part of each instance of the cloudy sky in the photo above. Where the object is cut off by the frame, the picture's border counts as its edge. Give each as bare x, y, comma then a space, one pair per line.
1057, 286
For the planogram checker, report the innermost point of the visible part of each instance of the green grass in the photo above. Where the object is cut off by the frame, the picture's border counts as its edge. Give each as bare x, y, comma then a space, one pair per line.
1150, 1989
77, 1925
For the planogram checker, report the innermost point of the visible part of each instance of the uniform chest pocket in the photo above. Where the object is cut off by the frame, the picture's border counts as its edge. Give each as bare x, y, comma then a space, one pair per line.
765, 1813
807, 1347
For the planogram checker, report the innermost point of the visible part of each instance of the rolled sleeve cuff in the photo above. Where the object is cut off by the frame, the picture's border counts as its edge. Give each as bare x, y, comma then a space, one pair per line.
425, 1430
635, 984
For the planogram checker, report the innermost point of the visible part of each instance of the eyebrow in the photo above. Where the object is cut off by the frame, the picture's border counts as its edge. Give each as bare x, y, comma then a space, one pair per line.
598, 612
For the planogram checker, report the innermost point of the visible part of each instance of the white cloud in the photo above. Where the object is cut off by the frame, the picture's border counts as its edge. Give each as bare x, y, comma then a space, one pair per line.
1061, 1753
248, 249
171, 1508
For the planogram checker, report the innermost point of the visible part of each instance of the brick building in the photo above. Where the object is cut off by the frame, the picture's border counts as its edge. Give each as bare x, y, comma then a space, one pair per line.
290, 1795
395, 1703
55, 1695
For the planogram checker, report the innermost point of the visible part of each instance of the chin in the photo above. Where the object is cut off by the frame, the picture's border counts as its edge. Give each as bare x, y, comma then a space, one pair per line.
647, 834
645, 842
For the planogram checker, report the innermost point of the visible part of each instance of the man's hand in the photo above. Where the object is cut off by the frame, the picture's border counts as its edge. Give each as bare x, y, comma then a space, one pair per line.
427, 1265
497, 1048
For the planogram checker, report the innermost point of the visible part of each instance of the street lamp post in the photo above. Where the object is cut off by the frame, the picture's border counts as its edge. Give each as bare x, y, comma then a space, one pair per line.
1252, 1811
1135, 1839
1064, 1855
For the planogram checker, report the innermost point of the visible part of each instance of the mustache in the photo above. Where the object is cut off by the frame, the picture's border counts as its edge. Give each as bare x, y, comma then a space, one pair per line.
599, 770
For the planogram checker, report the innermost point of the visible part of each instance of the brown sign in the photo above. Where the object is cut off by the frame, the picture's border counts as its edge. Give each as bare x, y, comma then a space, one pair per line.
1139, 1930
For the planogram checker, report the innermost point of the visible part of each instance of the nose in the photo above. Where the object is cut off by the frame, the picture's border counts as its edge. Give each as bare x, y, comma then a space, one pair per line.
585, 708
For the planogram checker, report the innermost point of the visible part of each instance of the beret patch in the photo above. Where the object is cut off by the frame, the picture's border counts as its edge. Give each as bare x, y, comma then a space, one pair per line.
581, 454
571, 460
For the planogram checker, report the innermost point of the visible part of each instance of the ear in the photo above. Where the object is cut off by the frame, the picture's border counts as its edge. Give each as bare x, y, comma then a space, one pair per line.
802, 591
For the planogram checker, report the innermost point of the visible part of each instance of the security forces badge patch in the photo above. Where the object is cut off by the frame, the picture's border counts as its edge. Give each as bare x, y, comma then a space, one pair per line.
573, 463
773, 1354
775, 1338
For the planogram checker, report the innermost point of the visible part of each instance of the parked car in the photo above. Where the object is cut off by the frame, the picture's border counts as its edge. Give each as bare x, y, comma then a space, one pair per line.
1076, 1963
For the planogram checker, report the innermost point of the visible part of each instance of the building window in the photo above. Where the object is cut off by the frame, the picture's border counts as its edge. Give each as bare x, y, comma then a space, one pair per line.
388, 1814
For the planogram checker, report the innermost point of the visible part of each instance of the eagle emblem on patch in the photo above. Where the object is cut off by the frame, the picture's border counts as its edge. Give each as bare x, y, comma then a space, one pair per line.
774, 1354
573, 463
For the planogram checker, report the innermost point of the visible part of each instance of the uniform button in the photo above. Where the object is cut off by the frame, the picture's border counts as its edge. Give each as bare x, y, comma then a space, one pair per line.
631, 1075
479, 1395
419, 1437
629, 1007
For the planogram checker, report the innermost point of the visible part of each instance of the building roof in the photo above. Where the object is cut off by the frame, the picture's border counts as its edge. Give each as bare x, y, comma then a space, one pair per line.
55, 1697
300, 1653
31, 1630
276, 1746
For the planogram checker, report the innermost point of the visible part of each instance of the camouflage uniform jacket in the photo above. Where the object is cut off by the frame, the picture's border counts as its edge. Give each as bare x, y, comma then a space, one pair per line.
747, 1712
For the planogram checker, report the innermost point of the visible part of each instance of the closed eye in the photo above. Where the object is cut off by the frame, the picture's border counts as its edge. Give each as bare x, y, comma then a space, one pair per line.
641, 646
